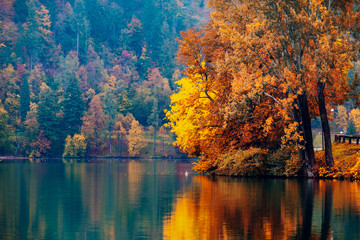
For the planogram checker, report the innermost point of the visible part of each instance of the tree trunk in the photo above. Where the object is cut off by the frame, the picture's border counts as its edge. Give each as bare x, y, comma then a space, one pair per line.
119, 143
308, 207
325, 124
327, 209
309, 158
154, 141
110, 134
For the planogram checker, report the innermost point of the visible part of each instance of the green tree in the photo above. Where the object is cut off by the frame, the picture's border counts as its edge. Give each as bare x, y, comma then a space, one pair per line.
351, 129
95, 70
73, 107
48, 118
81, 26
24, 98
110, 108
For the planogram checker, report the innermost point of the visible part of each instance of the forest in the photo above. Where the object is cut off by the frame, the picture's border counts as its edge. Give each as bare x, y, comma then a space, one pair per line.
243, 86
260, 75
88, 77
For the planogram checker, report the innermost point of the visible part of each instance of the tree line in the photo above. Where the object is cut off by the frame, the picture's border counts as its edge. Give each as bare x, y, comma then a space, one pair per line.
81, 73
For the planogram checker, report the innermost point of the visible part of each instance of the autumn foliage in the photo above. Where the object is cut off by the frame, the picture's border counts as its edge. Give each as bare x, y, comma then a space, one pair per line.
257, 73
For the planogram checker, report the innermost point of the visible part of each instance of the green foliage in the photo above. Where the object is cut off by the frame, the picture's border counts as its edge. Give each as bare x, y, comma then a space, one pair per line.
24, 98
48, 118
351, 130
73, 107
75, 146
5, 144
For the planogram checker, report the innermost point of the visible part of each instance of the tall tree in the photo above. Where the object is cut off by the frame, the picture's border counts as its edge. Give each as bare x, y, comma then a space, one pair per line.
5, 144
48, 118
73, 107
81, 26
94, 125
24, 98
110, 107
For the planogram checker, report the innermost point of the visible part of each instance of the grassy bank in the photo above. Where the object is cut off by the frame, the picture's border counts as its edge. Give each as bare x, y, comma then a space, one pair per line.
346, 161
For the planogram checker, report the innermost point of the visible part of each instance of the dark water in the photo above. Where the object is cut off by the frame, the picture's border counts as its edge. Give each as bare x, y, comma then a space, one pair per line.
147, 200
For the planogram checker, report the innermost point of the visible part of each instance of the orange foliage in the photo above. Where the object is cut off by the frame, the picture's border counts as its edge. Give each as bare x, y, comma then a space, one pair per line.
255, 73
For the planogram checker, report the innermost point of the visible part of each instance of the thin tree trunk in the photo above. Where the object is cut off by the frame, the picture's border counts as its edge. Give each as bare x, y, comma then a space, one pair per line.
154, 141
325, 124
119, 143
77, 41
110, 140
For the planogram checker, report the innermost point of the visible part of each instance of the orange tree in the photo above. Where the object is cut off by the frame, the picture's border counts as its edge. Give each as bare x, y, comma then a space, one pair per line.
207, 122
289, 60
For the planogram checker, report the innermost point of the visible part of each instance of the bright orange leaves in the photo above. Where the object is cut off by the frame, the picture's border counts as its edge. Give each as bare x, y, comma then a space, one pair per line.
254, 73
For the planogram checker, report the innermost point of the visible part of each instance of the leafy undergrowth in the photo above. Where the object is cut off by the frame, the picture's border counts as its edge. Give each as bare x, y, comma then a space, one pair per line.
248, 162
346, 159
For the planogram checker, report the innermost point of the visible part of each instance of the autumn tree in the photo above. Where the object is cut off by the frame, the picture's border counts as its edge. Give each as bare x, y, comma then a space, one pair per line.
31, 126
355, 118
75, 146
136, 138
93, 125
41, 147
265, 53
120, 131
5, 144
164, 135
10, 94
342, 118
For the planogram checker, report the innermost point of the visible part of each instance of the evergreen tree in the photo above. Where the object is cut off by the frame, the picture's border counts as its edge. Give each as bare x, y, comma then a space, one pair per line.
110, 108
351, 130
48, 118
24, 98
73, 107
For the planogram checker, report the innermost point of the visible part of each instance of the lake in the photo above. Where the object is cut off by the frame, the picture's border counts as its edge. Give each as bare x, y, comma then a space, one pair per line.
133, 199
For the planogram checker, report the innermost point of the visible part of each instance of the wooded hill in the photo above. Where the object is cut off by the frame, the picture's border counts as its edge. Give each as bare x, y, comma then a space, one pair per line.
81, 66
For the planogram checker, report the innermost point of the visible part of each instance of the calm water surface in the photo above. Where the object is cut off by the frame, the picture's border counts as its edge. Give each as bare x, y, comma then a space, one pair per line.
155, 200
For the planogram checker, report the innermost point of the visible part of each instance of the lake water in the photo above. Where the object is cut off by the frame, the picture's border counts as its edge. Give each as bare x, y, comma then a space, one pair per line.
127, 199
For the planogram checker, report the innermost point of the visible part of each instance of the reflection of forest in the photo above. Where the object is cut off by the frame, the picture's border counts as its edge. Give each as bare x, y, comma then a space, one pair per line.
227, 208
118, 200
126, 200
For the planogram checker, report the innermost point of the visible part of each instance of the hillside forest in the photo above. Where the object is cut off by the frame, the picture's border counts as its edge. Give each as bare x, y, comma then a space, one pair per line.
88, 77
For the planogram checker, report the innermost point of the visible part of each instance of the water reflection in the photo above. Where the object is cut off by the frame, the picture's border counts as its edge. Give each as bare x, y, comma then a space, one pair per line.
155, 200
227, 208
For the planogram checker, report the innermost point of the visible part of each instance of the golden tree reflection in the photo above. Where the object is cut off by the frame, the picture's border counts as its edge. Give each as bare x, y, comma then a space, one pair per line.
225, 208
